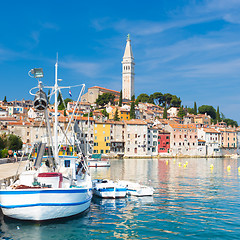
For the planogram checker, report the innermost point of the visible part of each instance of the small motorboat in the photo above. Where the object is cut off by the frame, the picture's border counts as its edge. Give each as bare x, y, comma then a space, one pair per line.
96, 160
105, 188
136, 189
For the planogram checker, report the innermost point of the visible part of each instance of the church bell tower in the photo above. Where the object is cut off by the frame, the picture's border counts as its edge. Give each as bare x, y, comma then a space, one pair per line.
128, 72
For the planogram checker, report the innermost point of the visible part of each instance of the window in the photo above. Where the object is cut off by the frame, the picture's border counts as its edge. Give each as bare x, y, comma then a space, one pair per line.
101, 151
107, 144
95, 137
95, 144
128, 135
135, 135
107, 151
95, 151
167, 137
67, 163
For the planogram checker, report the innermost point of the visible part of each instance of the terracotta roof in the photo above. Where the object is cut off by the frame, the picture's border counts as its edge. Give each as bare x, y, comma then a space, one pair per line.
227, 130
19, 123
7, 119
83, 118
135, 122
163, 131
80, 103
115, 122
192, 126
210, 130
105, 89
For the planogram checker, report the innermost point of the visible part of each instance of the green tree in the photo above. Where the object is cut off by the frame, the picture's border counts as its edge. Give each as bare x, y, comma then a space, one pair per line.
14, 142
181, 112
175, 101
104, 99
218, 115
2, 144
5, 99
120, 99
105, 113
167, 97
151, 99
165, 112
116, 117
62, 105
195, 108
158, 98
230, 122
190, 110
132, 109
60, 101
142, 98
210, 110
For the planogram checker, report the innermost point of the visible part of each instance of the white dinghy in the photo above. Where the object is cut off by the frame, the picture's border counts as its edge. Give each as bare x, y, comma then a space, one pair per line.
135, 189
51, 187
105, 188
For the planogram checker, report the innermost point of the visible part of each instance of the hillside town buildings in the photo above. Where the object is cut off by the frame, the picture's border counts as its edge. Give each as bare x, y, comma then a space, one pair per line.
95, 131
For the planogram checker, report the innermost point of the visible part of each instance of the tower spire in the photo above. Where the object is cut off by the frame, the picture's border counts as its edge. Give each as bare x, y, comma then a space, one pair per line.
128, 50
128, 71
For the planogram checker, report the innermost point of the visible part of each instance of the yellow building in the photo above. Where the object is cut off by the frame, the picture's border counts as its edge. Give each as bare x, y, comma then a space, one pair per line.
101, 138
123, 114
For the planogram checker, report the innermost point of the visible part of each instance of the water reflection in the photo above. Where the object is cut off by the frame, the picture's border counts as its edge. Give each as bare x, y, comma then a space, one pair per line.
190, 201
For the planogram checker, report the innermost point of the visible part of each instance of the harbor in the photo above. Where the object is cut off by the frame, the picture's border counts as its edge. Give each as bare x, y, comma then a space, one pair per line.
193, 202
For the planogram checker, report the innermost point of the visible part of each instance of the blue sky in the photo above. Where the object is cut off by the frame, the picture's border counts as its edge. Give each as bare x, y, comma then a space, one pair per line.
187, 48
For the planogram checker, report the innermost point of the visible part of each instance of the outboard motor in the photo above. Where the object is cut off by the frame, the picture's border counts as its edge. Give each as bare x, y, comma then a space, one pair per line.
40, 102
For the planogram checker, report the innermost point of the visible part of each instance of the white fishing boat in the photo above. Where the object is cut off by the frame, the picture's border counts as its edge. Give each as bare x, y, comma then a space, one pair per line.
51, 187
96, 160
105, 188
136, 189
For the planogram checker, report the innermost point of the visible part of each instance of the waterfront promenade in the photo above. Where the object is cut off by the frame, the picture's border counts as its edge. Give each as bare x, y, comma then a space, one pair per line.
8, 170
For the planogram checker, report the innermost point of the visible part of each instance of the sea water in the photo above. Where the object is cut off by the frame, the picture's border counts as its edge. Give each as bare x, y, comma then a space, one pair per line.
191, 201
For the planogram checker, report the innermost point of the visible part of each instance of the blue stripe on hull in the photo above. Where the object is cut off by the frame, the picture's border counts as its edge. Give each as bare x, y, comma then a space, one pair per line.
46, 204
121, 189
17, 192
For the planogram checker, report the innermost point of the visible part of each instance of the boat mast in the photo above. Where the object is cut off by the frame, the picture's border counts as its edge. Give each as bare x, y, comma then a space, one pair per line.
56, 113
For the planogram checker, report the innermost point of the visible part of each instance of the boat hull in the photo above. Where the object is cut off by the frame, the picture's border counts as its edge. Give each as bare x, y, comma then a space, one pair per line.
104, 192
120, 192
98, 164
44, 204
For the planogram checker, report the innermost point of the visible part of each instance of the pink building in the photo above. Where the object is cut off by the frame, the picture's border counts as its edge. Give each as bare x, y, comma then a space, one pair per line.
183, 139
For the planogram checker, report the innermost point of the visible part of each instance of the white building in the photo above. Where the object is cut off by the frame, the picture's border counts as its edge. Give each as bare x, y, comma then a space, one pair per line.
128, 72
152, 143
212, 139
135, 138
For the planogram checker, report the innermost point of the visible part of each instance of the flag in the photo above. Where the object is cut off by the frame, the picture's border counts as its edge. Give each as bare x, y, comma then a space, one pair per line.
70, 93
